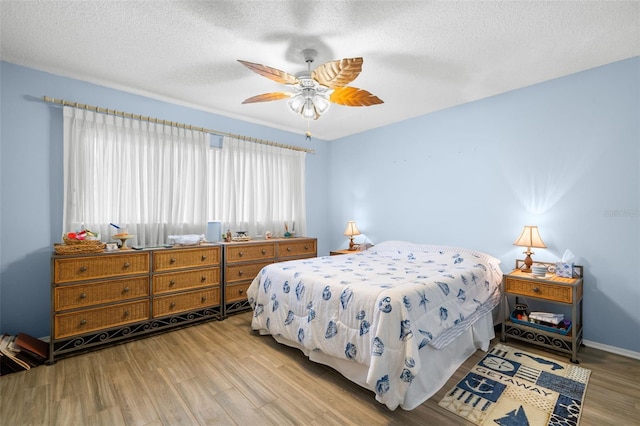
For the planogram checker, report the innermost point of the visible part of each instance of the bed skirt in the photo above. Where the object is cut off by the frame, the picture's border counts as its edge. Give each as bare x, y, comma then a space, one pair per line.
438, 365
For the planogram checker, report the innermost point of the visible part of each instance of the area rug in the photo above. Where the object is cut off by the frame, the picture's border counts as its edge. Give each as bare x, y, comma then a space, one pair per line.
511, 387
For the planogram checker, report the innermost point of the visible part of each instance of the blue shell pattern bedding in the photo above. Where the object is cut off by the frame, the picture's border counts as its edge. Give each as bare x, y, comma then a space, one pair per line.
378, 307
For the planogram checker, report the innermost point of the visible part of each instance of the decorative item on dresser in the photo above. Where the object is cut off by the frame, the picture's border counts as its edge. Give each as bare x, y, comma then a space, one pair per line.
244, 259
549, 288
98, 299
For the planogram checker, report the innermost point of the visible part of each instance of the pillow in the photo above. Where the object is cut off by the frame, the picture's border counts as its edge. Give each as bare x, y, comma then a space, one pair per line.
403, 247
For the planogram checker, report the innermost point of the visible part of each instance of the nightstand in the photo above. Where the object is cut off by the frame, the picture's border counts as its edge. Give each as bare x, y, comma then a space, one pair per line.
550, 288
345, 251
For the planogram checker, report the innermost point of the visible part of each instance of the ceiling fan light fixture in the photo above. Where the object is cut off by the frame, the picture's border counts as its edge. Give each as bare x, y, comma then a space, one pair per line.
308, 110
321, 103
296, 103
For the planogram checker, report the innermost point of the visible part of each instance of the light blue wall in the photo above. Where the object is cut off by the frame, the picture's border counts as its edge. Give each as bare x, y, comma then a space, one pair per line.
31, 180
563, 155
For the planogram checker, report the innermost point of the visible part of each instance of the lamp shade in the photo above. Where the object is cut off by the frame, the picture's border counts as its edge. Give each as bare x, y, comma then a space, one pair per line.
352, 229
530, 237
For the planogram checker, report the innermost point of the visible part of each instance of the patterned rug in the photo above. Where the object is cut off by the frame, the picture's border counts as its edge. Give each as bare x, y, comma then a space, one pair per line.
511, 387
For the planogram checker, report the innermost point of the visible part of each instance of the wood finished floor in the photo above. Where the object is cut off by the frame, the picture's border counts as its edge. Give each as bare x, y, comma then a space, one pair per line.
222, 373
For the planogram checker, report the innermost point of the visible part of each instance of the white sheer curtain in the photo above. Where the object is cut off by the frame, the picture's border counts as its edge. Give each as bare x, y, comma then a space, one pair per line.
258, 188
148, 178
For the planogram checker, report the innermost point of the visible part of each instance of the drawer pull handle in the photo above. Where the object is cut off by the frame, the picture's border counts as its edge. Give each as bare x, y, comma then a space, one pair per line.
240, 273
172, 282
288, 248
172, 304
83, 296
204, 257
125, 314
83, 269
264, 251
127, 264
536, 290
83, 322
306, 247
203, 278
240, 291
204, 299
172, 260
240, 253
125, 290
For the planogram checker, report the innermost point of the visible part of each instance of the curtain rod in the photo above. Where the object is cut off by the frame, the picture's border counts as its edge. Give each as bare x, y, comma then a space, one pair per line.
172, 123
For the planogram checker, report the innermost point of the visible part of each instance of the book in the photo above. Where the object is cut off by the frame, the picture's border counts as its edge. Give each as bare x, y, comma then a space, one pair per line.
13, 358
8, 366
35, 347
546, 317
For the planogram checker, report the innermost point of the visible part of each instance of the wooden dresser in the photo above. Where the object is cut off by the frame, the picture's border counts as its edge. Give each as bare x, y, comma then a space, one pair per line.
243, 260
103, 298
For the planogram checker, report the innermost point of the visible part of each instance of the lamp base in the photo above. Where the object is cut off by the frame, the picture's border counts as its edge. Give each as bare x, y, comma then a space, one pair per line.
527, 261
352, 246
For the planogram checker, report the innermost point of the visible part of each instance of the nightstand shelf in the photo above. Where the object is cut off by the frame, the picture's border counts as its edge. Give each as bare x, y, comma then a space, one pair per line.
551, 288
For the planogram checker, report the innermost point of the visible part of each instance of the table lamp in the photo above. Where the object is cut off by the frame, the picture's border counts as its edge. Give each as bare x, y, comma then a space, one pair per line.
529, 238
351, 231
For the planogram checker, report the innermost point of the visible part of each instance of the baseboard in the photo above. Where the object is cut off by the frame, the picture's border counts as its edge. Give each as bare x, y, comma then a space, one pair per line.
612, 349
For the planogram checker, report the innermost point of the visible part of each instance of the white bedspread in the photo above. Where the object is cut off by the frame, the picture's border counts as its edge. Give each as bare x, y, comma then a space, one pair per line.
378, 307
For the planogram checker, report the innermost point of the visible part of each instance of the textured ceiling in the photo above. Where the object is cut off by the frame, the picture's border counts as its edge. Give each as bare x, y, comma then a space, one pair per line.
419, 56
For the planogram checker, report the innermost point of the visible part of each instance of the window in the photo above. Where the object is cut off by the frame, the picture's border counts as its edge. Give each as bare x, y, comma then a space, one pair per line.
157, 180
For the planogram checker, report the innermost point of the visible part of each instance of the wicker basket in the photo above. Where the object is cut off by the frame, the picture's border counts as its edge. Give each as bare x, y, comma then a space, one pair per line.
97, 247
72, 241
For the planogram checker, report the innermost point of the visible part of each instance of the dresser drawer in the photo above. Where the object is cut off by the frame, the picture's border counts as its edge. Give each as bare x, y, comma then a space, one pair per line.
236, 292
100, 318
168, 305
249, 252
297, 248
558, 293
165, 283
91, 267
244, 272
84, 295
185, 258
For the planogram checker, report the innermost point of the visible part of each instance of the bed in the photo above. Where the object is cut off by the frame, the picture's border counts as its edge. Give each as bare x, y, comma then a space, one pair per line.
398, 318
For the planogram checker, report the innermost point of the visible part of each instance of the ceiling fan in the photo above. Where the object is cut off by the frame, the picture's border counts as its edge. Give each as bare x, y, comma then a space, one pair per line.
314, 91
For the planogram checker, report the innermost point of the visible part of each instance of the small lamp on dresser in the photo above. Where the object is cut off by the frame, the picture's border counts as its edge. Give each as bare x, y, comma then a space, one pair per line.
351, 231
529, 238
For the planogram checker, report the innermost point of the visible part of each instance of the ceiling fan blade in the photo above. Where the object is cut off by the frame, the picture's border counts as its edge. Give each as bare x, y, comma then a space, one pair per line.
271, 73
265, 97
352, 96
338, 73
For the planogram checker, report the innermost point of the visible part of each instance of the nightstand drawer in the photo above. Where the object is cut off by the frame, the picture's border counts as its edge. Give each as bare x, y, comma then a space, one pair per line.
557, 293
